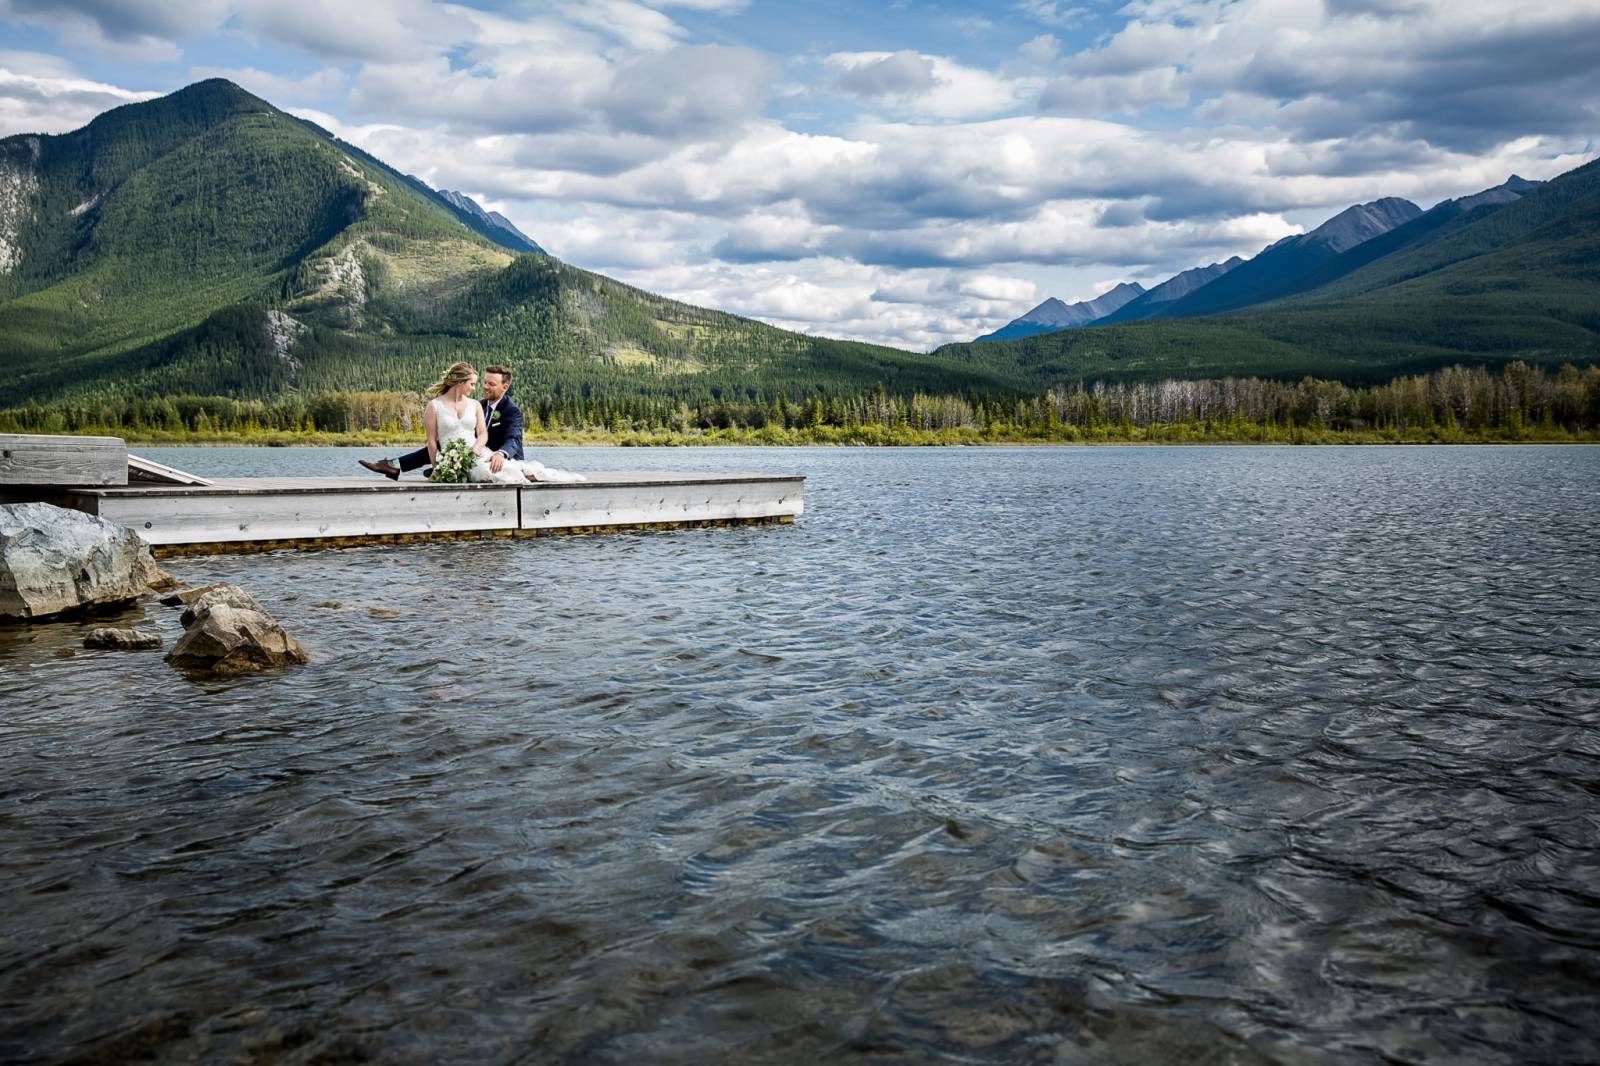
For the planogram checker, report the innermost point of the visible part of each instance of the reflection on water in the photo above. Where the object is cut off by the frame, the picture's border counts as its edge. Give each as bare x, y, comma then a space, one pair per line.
1090, 755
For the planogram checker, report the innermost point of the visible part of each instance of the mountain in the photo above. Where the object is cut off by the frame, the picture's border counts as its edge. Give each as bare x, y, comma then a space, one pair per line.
1277, 270
1281, 269
506, 231
1053, 314
1422, 227
1431, 240
1174, 288
206, 243
1348, 229
1357, 224
1498, 282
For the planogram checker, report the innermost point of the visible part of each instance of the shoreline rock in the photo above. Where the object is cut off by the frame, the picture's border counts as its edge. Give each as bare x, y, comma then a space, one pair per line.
56, 562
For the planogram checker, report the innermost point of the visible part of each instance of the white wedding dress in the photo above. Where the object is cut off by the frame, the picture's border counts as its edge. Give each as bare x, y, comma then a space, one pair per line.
449, 426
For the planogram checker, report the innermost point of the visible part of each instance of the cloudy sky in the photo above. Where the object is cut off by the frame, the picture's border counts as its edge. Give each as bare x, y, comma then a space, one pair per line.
907, 172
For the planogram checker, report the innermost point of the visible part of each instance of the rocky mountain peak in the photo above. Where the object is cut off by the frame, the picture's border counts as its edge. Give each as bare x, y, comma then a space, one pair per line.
1358, 224
1053, 312
1130, 289
1050, 310
1511, 189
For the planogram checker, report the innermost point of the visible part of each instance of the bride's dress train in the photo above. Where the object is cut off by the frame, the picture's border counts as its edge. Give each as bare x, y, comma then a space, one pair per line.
516, 470
449, 426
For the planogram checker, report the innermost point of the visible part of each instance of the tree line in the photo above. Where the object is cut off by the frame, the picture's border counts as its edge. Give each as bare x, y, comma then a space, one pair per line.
1515, 402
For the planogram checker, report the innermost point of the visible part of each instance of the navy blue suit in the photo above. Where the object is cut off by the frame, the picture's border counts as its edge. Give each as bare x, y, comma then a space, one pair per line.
505, 427
505, 434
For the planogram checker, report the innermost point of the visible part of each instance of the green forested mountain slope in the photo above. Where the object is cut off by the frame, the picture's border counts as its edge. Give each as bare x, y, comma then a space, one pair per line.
207, 243
158, 215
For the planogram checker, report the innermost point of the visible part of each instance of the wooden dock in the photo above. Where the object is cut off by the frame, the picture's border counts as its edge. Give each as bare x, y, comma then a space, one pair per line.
267, 513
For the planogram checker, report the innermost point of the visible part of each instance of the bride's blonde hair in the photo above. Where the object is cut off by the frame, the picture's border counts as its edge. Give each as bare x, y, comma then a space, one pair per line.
456, 375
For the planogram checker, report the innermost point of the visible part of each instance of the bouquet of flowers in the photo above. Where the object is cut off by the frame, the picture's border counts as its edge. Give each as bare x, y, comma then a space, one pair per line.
455, 462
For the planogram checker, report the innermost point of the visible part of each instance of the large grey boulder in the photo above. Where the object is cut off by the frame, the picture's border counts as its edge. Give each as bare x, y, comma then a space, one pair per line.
226, 637
53, 561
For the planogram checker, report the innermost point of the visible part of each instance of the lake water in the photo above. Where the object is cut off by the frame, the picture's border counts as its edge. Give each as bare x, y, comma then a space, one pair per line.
1139, 755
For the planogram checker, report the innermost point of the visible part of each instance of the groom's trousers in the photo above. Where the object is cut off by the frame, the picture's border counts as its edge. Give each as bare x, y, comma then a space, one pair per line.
413, 460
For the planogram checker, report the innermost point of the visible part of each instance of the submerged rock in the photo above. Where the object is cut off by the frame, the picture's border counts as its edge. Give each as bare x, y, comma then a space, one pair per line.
54, 561
226, 633
115, 639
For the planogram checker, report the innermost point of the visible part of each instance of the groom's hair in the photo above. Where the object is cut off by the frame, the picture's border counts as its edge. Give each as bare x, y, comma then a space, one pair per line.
503, 371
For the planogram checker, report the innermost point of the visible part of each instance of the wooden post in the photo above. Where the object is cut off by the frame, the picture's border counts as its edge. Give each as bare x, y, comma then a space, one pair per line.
31, 459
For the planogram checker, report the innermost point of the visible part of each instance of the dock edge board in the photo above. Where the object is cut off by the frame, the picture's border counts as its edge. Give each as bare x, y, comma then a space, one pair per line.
244, 547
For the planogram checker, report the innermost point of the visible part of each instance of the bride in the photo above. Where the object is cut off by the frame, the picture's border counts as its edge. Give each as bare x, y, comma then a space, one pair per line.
452, 414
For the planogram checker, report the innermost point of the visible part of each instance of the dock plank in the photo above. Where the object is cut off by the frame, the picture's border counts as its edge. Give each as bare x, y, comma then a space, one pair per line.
38, 459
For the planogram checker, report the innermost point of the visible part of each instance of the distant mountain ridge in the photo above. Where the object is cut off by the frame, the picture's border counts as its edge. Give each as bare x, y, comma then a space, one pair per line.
1349, 240
1224, 286
1440, 215
1357, 224
1513, 276
1053, 314
1512, 189
463, 202
1174, 288
1278, 269
1181, 285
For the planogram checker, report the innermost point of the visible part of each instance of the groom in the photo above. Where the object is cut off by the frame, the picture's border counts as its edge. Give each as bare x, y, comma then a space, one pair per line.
503, 418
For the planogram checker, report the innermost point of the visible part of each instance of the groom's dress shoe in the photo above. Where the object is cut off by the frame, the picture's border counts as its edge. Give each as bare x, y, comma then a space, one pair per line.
382, 466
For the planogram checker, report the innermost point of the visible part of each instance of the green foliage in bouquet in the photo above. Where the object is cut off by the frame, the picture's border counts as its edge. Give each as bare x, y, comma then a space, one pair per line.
455, 462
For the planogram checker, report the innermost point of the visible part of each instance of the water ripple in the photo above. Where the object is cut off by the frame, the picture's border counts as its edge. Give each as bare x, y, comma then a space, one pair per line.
999, 755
